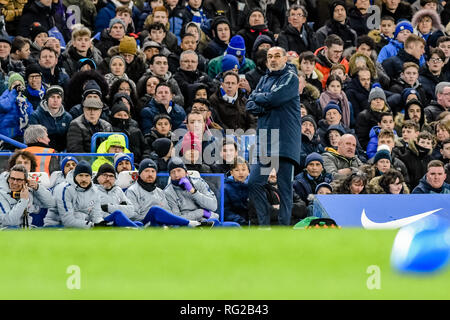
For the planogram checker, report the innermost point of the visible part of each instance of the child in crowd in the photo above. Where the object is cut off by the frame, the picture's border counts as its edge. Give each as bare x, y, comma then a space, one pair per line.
117, 66
161, 129
333, 92
386, 122
236, 193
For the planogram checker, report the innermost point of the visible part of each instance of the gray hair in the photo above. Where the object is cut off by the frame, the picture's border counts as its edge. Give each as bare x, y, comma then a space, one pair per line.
283, 51
20, 168
33, 133
188, 52
440, 87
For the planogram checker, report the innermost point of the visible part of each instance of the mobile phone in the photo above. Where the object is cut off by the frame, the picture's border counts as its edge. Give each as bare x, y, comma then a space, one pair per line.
242, 76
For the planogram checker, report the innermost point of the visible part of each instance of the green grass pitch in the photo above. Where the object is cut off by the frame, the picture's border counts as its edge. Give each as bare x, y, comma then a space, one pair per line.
223, 264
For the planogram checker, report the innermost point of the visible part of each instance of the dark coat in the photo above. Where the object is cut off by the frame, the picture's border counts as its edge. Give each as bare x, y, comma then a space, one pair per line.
304, 184
291, 39
276, 102
188, 82
357, 21
357, 95
425, 187
230, 9
151, 137
232, 115
236, 201
214, 49
398, 85
108, 12
403, 12
71, 58
364, 123
308, 147
80, 133
251, 33
177, 115
433, 111
394, 65
56, 127
429, 82
32, 12
106, 42
59, 77
347, 34
416, 160
253, 76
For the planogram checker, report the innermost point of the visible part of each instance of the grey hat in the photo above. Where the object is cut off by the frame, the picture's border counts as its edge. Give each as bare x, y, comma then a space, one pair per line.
151, 44
92, 103
117, 20
377, 92
54, 90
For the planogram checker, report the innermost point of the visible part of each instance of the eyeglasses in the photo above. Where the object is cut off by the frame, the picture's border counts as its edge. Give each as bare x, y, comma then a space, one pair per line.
35, 76
199, 109
109, 176
436, 60
16, 179
297, 15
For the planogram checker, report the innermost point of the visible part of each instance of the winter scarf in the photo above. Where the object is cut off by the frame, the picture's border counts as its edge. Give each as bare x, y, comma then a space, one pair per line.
198, 15
37, 93
21, 102
341, 100
146, 186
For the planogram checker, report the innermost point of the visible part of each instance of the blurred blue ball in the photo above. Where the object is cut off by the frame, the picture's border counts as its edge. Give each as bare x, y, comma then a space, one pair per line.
423, 246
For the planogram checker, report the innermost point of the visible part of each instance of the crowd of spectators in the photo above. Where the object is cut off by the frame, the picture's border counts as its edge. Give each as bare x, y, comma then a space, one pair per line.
175, 76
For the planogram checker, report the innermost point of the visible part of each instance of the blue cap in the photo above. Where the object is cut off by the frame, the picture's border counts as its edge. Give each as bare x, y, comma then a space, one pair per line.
67, 159
404, 25
229, 62
236, 47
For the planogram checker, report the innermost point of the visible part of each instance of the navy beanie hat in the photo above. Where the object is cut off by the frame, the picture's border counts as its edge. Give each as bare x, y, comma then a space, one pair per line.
382, 154
176, 163
331, 106
82, 167
323, 184
147, 163
313, 157
407, 91
67, 159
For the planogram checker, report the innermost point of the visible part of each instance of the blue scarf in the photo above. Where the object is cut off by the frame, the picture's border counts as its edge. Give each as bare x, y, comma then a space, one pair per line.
37, 93
198, 16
